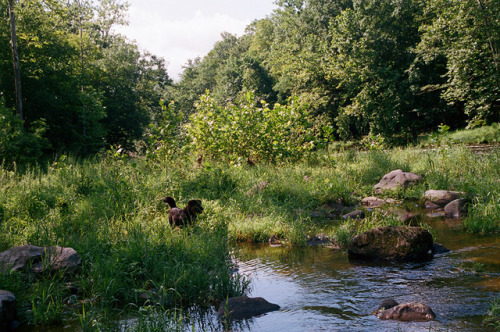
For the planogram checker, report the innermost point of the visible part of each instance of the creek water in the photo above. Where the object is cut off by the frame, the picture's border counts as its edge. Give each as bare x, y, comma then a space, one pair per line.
320, 290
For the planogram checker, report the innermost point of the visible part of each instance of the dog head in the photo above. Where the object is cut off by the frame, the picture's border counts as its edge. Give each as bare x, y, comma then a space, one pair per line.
194, 207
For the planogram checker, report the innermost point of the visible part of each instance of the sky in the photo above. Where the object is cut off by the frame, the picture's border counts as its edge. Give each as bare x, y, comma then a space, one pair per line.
181, 30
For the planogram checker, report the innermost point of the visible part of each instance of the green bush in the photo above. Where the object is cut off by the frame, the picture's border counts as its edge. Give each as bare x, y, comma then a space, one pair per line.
245, 132
16, 144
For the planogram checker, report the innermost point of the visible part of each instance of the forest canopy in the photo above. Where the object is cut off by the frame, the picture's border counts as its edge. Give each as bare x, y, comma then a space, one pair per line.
389, 69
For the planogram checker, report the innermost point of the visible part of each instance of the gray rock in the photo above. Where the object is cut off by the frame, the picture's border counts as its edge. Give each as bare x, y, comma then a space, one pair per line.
386, 304
29, 258
395, 179
401, 243
7, 309
456, 208
60, 259
372, 201
441, 197
245, 307
358, 214
408, 312
18, 258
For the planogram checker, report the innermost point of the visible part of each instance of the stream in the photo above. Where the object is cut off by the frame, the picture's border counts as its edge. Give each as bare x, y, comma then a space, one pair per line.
320, 290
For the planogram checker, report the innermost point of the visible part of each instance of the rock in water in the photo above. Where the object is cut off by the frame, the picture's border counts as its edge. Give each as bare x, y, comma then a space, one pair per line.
441, 197
408, 312
456, 208
395, 179
386, 304
245, 307
402, 243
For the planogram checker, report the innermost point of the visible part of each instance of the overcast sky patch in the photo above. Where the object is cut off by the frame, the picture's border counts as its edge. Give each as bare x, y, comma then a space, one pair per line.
182, 30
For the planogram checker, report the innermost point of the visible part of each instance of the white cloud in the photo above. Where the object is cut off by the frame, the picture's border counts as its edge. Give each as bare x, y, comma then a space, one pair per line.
188, 36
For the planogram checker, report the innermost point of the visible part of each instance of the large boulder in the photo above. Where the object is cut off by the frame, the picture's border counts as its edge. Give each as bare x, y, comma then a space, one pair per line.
408, 312
402, 243
29, 258
60, 259
7, 309
19, 258
456, 208
395, 179
441, 197
245, 307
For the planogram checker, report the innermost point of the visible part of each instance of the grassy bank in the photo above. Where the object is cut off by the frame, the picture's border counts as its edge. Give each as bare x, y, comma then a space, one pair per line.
109, 209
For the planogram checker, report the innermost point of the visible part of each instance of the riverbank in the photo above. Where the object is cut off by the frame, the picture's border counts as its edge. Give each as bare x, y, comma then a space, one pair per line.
110, 210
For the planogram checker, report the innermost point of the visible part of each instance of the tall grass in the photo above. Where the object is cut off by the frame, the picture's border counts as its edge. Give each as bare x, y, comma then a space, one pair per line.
109, 209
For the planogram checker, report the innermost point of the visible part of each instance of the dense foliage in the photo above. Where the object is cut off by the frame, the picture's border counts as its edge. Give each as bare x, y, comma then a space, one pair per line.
92, 88
378, 70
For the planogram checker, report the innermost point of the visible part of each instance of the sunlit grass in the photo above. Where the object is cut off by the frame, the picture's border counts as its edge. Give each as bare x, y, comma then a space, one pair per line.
109, 209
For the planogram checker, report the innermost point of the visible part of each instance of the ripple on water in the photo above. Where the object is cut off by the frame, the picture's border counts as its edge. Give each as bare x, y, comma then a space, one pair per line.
319, 290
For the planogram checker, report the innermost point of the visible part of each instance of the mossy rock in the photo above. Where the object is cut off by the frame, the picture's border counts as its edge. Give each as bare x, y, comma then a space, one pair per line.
400, 243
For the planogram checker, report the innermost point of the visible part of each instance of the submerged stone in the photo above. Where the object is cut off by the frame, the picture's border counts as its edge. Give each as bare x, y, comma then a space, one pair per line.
408, 312
245, 307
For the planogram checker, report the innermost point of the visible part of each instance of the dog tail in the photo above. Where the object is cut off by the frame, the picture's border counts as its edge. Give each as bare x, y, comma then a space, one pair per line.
170, 201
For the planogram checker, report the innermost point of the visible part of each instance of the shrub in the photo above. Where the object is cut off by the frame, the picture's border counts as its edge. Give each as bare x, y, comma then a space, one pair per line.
244, 131
17, 145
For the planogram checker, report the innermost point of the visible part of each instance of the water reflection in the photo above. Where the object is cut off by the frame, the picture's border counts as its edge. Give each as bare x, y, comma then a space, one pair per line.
320, 290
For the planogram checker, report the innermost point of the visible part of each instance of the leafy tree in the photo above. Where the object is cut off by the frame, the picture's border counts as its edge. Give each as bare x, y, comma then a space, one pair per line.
132, 85
92, 88
466, 35
369, 56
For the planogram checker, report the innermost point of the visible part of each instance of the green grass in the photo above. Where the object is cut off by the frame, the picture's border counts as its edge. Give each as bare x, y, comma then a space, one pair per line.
485, 134
109, 209
493, 318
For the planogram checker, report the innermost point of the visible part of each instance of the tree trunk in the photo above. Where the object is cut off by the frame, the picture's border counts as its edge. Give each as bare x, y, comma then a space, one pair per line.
15, 58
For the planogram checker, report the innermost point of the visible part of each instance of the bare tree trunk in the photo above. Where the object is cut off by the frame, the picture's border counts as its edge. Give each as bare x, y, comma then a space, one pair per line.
15, 58
82, 73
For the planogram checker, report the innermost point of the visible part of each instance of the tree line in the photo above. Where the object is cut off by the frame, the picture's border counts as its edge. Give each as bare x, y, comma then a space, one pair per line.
84, 87
376, 69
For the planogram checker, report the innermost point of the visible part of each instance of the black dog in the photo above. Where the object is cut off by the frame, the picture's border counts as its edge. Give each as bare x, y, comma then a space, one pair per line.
185, 216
